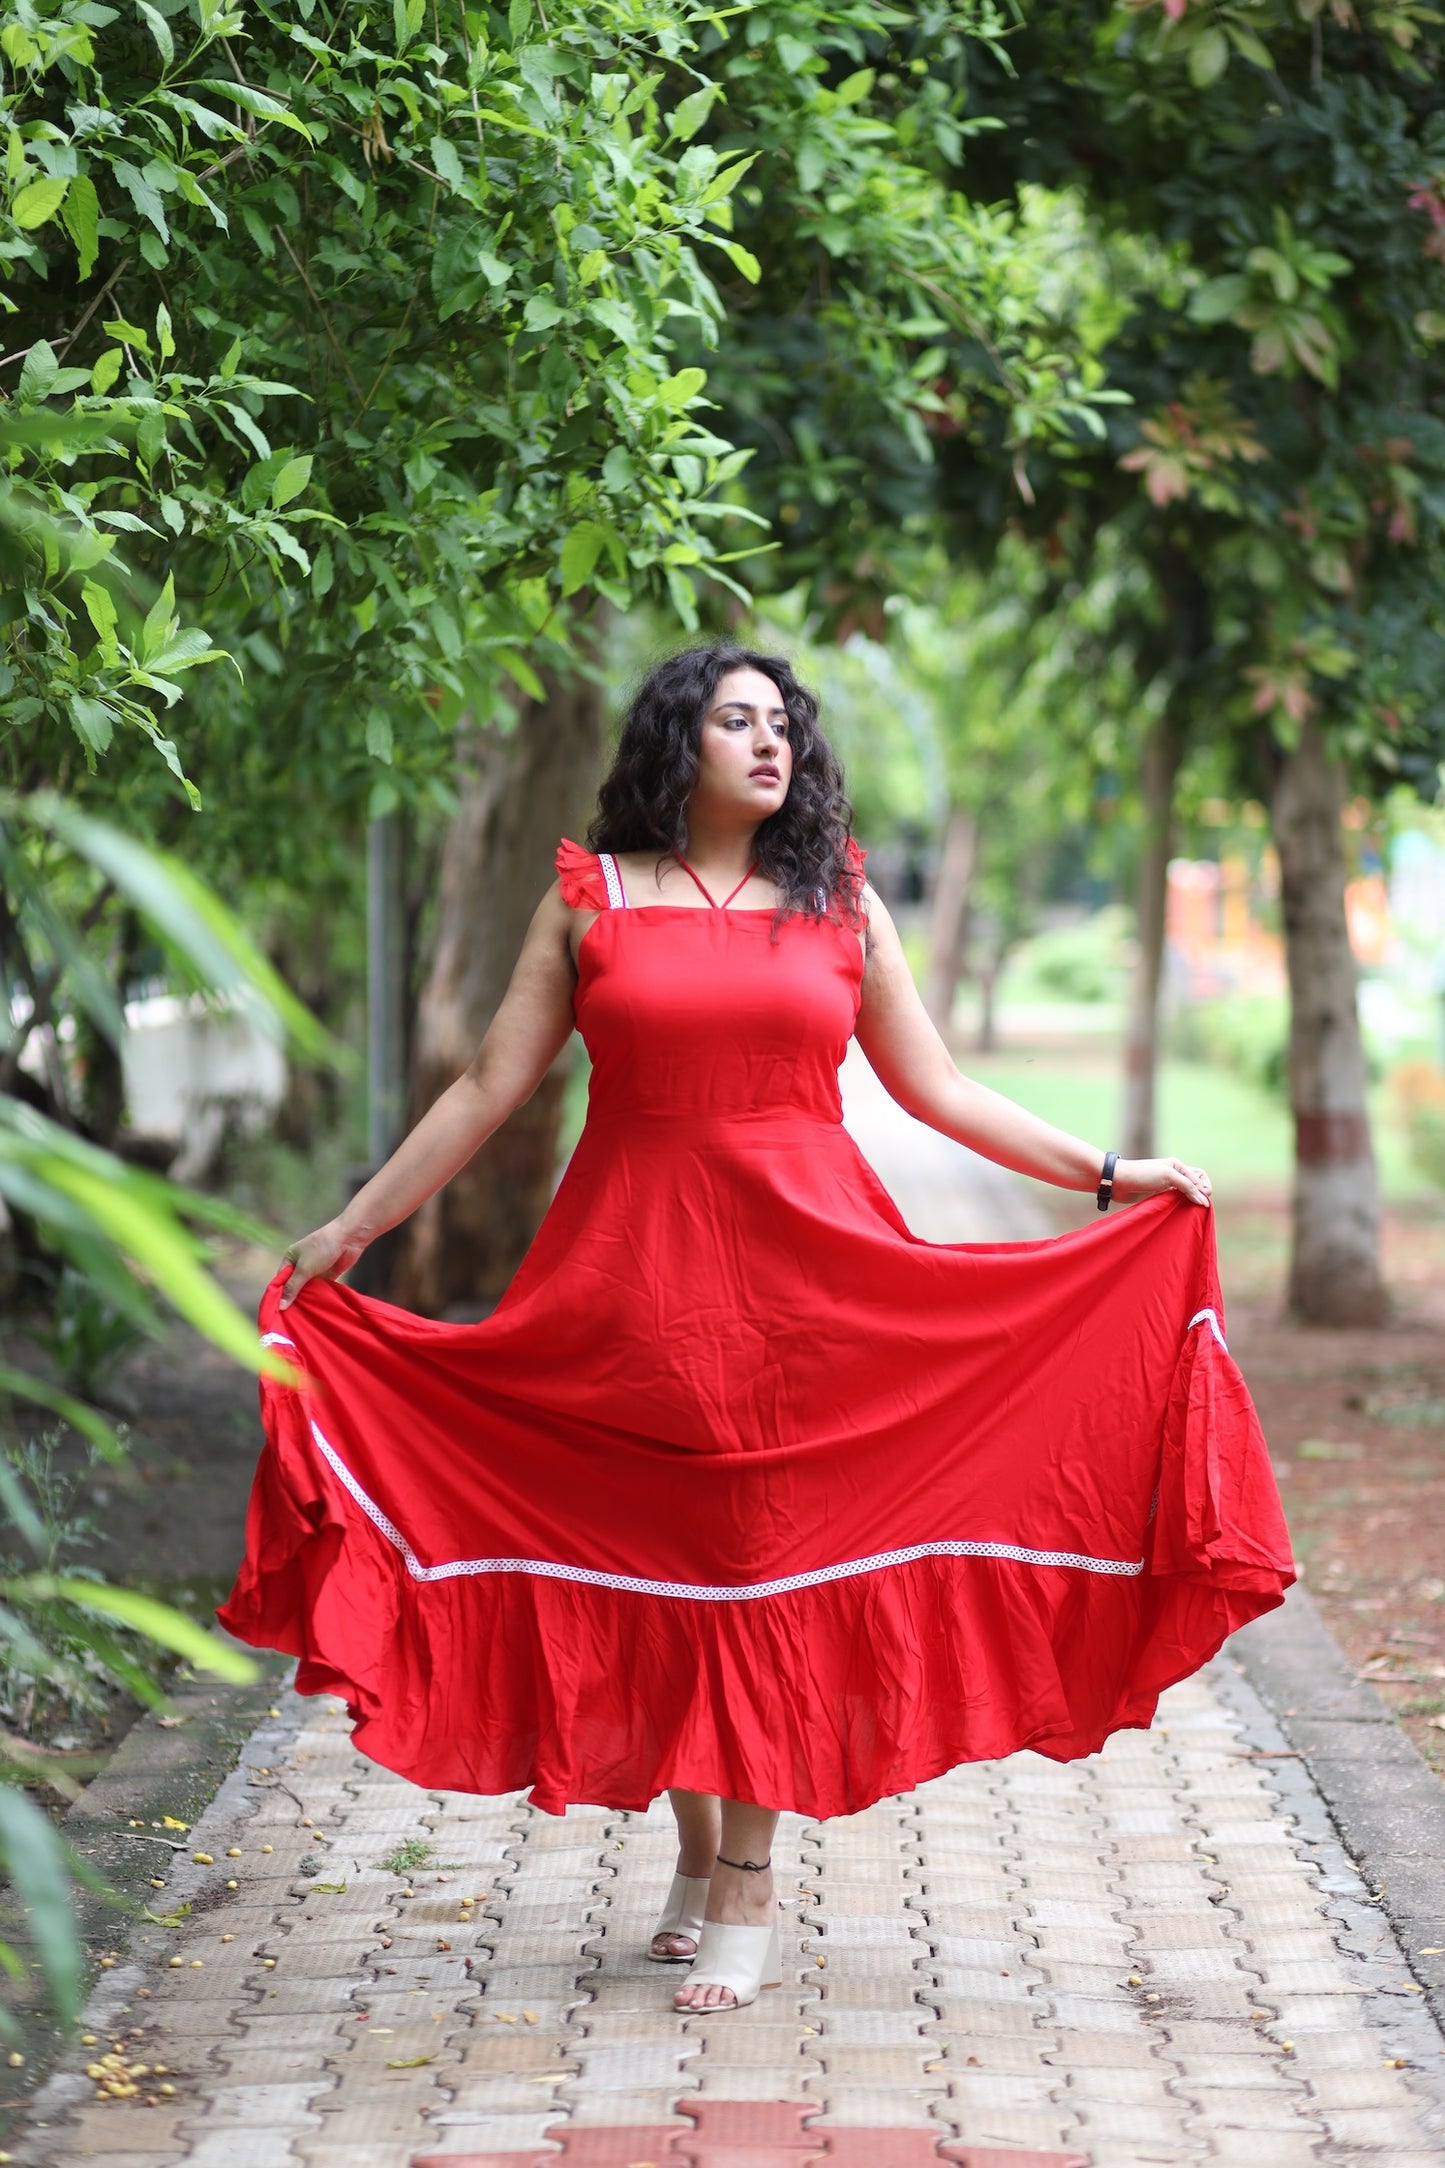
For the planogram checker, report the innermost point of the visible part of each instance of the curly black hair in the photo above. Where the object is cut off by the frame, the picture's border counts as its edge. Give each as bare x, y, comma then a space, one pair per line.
643, 802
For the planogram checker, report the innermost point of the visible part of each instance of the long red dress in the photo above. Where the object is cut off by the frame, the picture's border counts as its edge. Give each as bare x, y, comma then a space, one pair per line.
743, 1487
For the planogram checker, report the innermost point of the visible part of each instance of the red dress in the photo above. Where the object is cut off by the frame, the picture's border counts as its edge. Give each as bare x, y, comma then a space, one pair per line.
743, 1487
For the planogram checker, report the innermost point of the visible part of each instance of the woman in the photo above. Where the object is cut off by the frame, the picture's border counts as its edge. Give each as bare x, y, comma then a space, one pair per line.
742, 1491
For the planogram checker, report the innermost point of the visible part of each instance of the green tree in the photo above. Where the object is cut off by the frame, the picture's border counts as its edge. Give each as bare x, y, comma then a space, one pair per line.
1279, 173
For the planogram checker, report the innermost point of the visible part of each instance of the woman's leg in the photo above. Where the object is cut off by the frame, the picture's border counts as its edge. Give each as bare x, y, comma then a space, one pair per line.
698, 1835
737, 1897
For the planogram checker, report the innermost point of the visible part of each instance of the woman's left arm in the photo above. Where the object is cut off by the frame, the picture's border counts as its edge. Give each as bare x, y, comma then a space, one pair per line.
896, 1033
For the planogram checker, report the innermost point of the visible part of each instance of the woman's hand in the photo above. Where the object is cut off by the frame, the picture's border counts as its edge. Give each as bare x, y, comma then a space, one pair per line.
324, 1254
1136, 1178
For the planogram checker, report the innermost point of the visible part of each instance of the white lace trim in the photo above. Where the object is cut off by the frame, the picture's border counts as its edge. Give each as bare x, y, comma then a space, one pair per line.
616, 900
632, 1584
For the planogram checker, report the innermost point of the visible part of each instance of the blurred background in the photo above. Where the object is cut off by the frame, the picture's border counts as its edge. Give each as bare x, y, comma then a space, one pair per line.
1061, 391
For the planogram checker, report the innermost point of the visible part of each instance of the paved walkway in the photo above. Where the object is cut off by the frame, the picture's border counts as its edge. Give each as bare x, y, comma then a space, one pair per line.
1157, 1956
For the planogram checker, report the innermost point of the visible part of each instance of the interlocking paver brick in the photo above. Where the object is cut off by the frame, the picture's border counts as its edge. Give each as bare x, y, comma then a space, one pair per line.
977, 1941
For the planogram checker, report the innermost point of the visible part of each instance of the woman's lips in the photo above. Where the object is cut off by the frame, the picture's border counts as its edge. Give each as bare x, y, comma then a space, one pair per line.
768, 775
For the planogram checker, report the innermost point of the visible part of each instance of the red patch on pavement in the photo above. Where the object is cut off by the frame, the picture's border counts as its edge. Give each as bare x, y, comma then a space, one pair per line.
750, 2134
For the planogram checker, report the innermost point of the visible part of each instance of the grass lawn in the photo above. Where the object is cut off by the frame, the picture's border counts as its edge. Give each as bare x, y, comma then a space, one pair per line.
1241, 1134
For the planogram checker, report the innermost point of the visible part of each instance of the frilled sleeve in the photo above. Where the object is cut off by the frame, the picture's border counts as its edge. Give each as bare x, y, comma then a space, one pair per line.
848, 896
580, 874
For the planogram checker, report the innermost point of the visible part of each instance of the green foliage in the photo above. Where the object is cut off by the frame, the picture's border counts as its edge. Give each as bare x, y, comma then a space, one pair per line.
357, 337
1418, 1089
1085, 962
36, 1859
1281, 168
68, 1641
120, 1226
409, 1856
1247, 1034
85, 1335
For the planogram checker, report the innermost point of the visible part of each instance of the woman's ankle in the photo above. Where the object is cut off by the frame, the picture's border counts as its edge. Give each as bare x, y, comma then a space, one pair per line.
739, 1898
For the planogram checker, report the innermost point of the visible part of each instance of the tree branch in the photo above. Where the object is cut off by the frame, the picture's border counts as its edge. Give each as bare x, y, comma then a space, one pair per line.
337, 348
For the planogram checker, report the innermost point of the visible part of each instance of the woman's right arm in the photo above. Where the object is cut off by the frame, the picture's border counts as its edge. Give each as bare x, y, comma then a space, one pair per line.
525, 1037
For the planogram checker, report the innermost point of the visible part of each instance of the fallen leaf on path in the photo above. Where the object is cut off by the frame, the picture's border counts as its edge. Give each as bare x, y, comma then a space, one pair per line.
329, 1889
408, 2062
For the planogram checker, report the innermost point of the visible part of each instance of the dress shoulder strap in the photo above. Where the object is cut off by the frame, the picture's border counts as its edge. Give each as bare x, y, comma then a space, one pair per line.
589, 880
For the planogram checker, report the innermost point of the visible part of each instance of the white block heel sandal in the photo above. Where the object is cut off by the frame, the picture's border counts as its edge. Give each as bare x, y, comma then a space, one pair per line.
743, 1959
681, 1915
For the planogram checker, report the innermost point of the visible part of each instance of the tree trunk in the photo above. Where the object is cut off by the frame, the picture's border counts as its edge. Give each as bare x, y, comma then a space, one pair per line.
521, 792
1335, 1276
948, 921
1163, 751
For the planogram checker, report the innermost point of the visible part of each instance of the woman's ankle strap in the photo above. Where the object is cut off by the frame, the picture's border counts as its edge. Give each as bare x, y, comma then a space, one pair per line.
745, 1866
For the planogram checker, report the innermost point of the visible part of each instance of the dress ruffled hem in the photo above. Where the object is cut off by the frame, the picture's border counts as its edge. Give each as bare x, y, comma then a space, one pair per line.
820, 1701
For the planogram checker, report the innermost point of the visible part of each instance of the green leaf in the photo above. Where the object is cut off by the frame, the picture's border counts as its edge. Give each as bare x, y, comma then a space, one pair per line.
521, 672
81, 213
855, 88
38, 373
36, 1861
676, 391
541, 313
727, 180
183, 911
106, 370
338, 1889
100, 609
444, 625
519, 15
580, 552
289, 482
157, 1621
1219, 300
38, 201
446, 162
259, 102
80, 1417
378, 735
116, 327
94, 722
160, 30
407, 17
143, 195
1208, 58
1249, 47
688, 116
742, 260
159, 620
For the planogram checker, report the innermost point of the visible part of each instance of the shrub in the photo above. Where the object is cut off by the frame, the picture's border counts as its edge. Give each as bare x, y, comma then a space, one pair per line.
1087, 962
1247, 1034
1418, 1088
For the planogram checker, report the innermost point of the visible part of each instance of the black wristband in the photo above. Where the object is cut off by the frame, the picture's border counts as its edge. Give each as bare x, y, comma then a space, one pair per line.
1104, 1195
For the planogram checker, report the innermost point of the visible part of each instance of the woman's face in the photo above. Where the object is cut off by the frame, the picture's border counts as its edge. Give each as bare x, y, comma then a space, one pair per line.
745, 762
